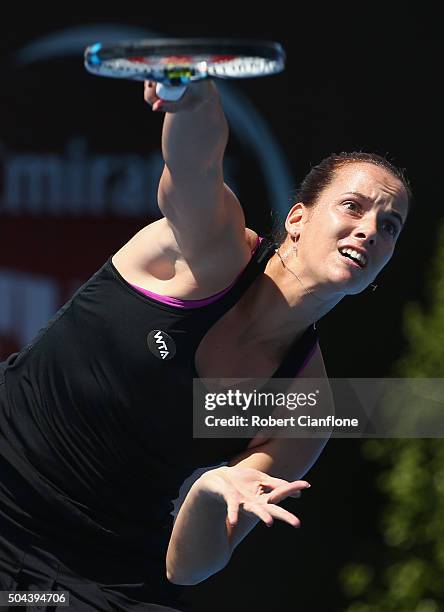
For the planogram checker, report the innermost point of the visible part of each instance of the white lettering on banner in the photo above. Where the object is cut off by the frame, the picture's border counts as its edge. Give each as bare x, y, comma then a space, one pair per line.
80, 183
27, 303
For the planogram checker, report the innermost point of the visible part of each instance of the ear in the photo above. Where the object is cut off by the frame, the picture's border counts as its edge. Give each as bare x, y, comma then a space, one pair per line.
297, 216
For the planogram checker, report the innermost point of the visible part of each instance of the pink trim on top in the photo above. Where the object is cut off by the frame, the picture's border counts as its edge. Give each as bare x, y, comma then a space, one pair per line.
307, 359
178, 303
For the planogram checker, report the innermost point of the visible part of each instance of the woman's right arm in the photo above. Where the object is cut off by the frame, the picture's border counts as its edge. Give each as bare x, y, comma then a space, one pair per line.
199, 207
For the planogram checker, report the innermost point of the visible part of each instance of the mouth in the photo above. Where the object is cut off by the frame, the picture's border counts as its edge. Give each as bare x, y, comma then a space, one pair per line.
352, 261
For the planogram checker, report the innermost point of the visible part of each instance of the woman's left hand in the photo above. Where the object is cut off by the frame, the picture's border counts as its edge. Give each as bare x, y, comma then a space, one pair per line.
251, 491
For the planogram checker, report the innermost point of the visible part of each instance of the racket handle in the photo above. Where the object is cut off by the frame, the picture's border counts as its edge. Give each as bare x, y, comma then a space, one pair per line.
171, 93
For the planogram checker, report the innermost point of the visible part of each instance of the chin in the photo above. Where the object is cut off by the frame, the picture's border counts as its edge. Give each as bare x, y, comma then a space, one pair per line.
356, 291
342, 279
355, 288
346, 286
349, 282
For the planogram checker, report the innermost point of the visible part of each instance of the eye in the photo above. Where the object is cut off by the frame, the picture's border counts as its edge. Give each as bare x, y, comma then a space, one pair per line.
356, 208
393, 230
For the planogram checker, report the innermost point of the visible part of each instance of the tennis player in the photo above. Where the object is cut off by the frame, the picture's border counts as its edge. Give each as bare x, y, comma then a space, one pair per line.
96, 412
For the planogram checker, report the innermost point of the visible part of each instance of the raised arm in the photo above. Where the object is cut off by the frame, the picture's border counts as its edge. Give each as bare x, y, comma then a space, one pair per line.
201, 243
201, 210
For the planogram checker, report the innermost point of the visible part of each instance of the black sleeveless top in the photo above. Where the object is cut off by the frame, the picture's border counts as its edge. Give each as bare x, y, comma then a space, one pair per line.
99, 427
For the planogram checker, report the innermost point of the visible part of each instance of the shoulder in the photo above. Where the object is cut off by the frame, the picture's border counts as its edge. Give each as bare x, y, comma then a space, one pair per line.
153, 259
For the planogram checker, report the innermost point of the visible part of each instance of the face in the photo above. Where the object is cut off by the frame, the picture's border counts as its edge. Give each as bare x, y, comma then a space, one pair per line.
363, 208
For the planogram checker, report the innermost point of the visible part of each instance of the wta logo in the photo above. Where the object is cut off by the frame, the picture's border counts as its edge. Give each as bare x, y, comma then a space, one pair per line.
161, 344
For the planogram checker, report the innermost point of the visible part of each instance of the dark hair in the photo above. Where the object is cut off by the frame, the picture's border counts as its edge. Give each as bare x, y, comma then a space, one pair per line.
322, 175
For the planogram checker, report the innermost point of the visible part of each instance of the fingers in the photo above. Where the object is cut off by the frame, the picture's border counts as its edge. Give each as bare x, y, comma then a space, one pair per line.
277, 482
193, 97
282, 488
257, 493
159, 105
290, 489
232, 507
260, 511
150, 96
267, 513
156, 103
283, 515
149, 92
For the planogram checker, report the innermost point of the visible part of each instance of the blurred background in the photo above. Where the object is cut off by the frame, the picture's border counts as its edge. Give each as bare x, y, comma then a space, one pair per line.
79, 165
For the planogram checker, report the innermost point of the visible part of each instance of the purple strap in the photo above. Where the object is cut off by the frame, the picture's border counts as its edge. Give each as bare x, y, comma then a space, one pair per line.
178, 303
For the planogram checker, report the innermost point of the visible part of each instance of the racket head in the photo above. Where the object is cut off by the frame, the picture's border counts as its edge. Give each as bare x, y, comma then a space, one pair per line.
180, 61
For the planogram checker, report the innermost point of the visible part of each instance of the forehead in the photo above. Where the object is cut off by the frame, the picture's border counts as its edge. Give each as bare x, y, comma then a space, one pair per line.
374, 182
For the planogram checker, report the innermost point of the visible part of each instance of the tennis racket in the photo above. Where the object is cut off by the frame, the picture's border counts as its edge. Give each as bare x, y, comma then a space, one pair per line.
174, 63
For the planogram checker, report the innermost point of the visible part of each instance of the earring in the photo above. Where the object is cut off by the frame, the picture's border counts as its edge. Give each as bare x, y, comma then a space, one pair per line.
373, 287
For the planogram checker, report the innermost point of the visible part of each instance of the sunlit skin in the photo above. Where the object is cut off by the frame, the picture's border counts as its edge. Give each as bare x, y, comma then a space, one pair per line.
339, 218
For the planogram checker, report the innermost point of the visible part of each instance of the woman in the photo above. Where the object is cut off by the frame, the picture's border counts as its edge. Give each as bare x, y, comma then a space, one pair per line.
96, 420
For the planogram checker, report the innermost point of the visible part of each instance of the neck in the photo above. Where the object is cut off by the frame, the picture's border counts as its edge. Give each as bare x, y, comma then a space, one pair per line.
283, 303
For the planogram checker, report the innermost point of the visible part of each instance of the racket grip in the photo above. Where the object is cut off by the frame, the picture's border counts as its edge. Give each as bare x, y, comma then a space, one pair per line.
171, 93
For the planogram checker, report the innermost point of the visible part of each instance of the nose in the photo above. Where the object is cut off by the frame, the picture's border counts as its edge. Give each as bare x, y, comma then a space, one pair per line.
367, 230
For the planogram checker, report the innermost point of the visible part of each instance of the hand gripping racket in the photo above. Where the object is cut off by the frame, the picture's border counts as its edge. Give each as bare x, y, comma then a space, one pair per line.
174, 63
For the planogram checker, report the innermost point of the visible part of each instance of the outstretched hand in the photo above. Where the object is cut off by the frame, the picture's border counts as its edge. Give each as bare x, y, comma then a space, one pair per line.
254, 492
196, 94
